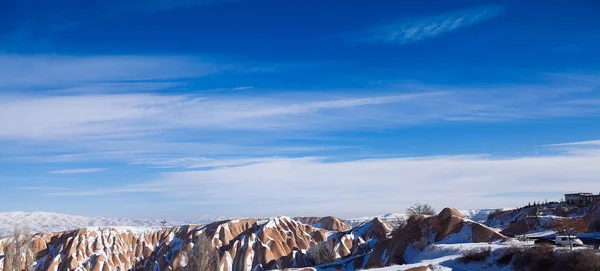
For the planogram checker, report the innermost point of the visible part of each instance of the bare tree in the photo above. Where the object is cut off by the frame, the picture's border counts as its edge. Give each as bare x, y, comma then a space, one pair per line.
18, 252
427, 227
420, 209
322, 253
28, 249
571, 227
203, 257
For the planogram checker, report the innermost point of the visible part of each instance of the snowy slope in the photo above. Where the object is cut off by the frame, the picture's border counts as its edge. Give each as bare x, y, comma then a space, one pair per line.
53, 222
444, 257
477, 215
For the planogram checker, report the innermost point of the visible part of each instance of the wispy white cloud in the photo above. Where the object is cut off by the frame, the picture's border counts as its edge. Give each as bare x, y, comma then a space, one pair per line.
42, 188
137, 116
201, 162
77, 170
581, 148
242, 88
52, 71
406, 31
373, 185
579, 143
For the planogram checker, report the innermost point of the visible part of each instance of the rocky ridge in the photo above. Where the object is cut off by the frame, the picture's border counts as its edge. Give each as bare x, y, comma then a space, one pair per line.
250, 244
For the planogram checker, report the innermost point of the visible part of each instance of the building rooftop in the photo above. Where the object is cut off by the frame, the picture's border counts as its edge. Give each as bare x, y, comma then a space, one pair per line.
579, 194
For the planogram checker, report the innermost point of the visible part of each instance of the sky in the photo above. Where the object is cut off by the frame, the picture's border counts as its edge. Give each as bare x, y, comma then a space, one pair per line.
181, 109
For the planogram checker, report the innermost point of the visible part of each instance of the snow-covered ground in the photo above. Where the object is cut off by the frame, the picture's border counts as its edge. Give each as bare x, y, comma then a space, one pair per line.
53, 222
445, 257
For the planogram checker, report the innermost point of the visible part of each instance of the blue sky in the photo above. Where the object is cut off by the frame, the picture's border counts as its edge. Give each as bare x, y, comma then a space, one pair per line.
177, 109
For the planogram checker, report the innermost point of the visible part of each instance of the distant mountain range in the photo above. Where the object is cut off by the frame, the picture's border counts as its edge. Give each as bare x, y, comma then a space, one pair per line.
53, 222
477, 215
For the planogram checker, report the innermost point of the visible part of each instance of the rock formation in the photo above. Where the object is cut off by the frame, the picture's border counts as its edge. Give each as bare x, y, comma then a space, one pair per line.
249, 244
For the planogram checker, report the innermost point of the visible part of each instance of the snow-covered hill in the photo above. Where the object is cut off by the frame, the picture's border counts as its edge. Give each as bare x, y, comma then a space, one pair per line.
53, 222
386, 217
478, 215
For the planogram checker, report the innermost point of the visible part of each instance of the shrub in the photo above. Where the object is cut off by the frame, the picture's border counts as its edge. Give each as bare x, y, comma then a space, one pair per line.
475, 255
322, 253
543, 257
540, 257
578, 260
505, 255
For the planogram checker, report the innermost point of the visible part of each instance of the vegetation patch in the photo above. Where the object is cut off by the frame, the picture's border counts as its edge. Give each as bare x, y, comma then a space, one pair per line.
505, 255
475, 255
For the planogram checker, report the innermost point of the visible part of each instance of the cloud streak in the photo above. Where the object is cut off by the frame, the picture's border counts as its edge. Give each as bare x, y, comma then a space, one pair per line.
62, 72
76, 171
201, 162
407, 31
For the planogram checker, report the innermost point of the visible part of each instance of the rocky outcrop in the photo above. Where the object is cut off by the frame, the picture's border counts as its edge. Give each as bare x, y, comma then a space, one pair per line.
386, 248
420, 231
481, 234
522, 226
505, 217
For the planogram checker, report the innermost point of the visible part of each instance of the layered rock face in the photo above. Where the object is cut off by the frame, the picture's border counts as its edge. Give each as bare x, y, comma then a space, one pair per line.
243, 244
420, 231
247, 244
